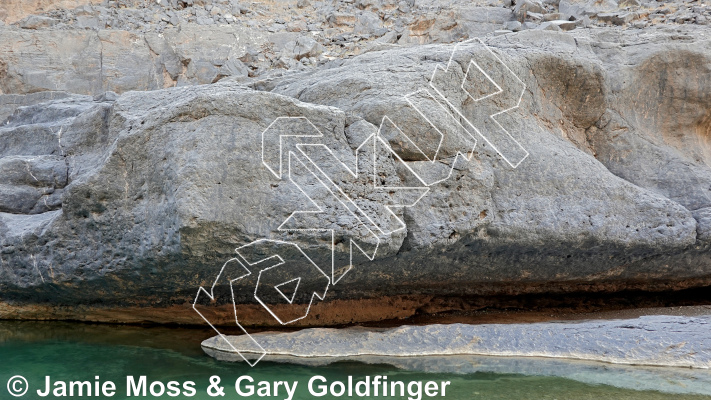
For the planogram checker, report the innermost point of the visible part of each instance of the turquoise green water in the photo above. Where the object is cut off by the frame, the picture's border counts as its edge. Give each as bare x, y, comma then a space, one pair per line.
80, 352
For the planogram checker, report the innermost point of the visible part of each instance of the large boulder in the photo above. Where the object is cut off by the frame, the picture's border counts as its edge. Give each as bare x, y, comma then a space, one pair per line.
160, 187
560, 195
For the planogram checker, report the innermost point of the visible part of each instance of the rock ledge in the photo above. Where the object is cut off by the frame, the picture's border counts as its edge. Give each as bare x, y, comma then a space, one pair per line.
649, 340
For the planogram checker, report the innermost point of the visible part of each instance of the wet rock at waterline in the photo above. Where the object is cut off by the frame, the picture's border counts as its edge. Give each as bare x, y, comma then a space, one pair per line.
655, 340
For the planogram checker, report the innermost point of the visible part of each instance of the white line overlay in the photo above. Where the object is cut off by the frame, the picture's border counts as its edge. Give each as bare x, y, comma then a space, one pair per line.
293, 149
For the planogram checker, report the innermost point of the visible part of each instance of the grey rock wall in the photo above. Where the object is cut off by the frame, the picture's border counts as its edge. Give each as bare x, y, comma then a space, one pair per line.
138, 198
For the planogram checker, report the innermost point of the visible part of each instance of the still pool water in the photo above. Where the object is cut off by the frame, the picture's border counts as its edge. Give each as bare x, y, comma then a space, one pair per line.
73, 352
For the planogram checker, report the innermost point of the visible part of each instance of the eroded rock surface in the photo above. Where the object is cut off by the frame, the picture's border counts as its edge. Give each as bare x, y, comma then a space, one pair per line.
135, 197
650, 340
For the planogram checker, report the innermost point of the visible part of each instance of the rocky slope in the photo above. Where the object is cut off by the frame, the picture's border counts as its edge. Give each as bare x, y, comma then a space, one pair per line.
92, 46
131, 153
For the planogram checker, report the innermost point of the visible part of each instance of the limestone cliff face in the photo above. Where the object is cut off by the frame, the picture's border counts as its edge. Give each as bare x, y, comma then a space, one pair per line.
119, 207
